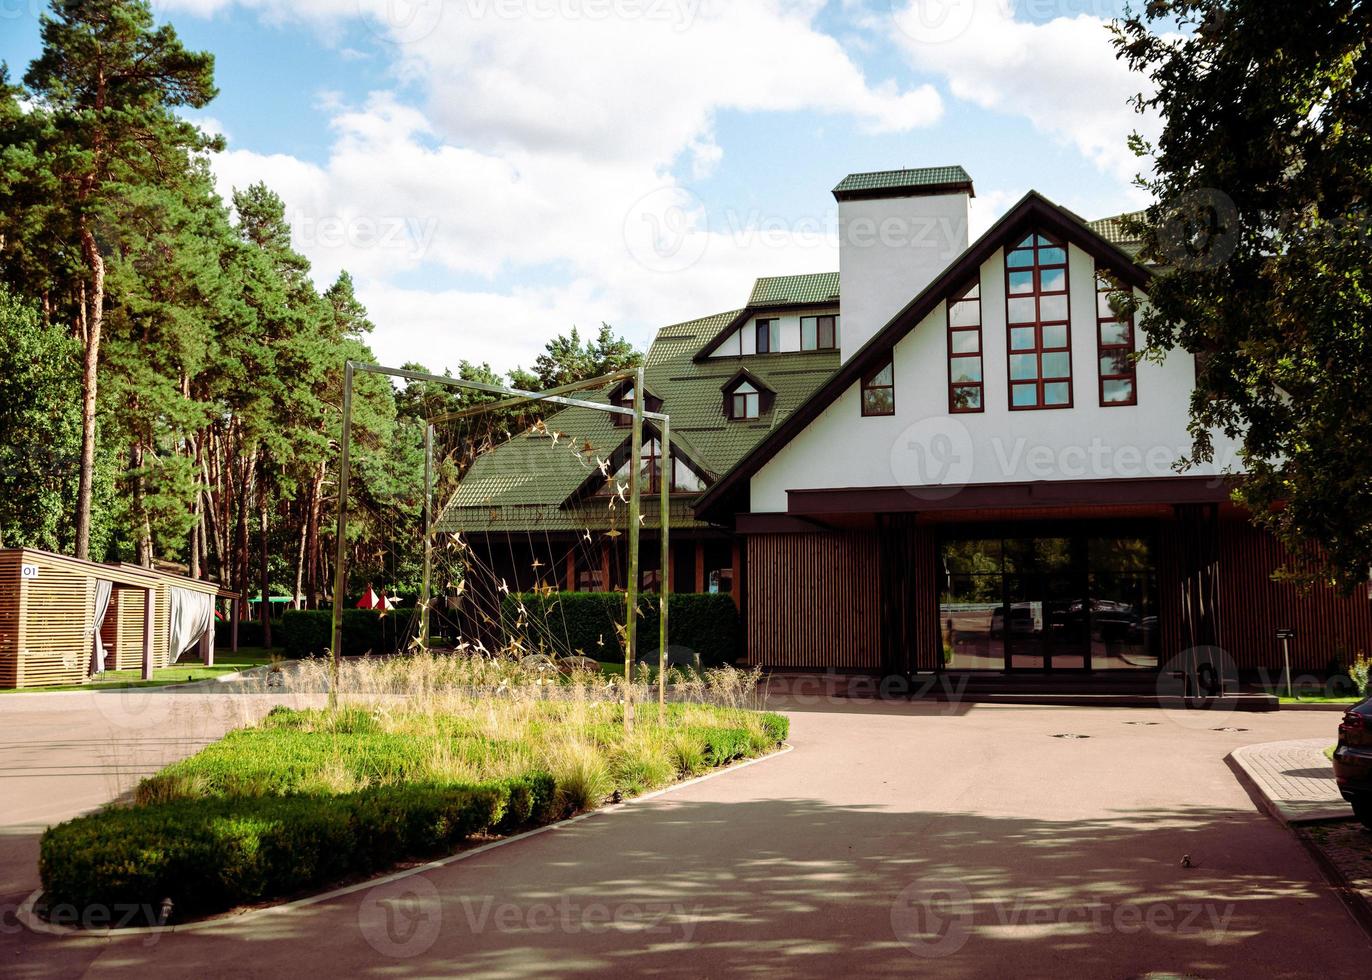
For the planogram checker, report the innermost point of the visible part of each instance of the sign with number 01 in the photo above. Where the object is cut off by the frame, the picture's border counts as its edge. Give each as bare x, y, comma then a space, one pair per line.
28, 571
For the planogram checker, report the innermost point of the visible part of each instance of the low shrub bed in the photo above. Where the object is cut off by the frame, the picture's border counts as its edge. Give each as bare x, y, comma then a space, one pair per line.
699, 624
307, 799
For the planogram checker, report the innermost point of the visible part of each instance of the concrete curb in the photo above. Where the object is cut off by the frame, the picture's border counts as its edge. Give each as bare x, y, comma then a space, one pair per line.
1248, 763
31, 920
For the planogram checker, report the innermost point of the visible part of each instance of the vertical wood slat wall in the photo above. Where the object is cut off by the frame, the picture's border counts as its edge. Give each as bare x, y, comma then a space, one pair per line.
123, 629
56, 609
1326, 623
11, 619
813, 600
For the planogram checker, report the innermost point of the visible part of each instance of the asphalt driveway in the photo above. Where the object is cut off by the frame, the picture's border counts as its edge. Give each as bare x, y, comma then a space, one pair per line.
893, 839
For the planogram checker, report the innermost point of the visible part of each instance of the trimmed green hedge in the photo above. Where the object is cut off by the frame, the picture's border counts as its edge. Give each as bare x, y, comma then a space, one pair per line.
698, 623
309, 632
210, 855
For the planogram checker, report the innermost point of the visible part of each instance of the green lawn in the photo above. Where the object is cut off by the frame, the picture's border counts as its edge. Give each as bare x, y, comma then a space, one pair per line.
1318, 698
188, 670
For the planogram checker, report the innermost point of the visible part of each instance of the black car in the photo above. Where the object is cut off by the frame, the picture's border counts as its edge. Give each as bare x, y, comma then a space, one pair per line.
1353, 760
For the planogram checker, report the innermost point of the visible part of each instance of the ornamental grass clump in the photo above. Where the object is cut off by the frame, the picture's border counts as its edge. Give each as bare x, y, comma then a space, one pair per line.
415, 756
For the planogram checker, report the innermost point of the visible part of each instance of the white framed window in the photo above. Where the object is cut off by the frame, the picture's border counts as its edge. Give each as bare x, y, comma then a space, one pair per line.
744, 402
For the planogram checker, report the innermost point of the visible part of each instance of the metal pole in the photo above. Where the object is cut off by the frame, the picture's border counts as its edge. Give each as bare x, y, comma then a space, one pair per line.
340, 571
426, 583
631, 598
664, 563
1286, 661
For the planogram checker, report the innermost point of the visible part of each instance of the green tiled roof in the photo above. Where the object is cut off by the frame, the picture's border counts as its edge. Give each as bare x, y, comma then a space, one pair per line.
899, 180
1113, 231
522, 484
819, 287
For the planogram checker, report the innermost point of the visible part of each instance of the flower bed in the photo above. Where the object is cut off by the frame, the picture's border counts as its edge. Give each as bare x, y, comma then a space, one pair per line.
307, 799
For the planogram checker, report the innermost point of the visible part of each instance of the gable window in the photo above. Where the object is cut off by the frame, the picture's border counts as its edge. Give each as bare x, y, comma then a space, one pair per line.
1118, 383
744, 402
624, 398
819, 332
768, 336
1036, 316
879, 391
684, 479
964, 351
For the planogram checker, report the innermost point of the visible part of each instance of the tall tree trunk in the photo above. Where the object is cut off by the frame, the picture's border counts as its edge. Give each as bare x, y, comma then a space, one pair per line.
316, 490
262, 550
300, 556
94, 315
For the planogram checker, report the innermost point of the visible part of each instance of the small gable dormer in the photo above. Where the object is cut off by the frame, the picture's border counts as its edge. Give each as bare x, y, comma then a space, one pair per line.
622, 395
746, 397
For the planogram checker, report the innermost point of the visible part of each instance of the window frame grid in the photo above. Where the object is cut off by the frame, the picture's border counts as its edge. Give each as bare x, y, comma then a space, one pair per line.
866, 385
969, 294
1107, 284
1039, 242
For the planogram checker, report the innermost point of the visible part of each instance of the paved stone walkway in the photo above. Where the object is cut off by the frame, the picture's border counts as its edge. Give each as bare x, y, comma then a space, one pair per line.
1295, 779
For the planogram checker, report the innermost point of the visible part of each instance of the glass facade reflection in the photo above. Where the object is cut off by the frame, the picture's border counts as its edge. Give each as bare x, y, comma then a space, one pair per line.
1078, 601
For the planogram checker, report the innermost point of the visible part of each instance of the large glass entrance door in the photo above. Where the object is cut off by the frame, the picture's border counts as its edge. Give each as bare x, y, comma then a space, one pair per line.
1078, 600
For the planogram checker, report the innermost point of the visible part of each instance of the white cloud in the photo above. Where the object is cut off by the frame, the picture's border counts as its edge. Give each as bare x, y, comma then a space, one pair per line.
540, 151
1061, 75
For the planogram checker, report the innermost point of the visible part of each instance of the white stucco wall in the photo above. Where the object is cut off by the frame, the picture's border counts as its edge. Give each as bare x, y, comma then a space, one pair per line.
922, 445
743, 341
890, 249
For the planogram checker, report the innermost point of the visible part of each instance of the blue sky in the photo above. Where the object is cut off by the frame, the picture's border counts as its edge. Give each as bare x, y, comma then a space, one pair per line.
488, 169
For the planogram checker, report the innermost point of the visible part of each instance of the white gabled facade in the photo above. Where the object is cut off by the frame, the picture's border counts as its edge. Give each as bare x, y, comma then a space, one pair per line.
924, 444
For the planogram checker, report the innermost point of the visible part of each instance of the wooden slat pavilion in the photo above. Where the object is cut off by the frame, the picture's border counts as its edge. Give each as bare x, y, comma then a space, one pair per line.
47, 611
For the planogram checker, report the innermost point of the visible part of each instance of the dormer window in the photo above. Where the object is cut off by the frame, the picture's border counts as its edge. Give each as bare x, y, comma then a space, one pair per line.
744, 402
746, 396
768, 336
623, 396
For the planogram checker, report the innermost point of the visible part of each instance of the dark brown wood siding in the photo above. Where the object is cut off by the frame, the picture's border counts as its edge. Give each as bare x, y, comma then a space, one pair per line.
813, 600
1254, 607
909, 596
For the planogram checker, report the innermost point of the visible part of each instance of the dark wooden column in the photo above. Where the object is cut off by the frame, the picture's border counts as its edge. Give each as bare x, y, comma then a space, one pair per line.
909, 596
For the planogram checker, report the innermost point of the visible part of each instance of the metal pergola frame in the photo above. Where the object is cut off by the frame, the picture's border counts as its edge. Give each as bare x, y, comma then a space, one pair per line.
516, 396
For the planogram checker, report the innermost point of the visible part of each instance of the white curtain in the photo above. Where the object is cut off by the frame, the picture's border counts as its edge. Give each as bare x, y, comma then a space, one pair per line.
103, 590
192, 616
